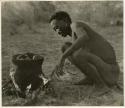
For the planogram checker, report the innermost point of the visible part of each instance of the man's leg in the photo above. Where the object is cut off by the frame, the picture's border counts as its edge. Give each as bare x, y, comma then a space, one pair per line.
91, 72
94, 67
105, 73
86, 80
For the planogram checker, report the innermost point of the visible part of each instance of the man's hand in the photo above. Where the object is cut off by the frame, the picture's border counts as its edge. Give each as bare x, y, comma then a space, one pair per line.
59, 67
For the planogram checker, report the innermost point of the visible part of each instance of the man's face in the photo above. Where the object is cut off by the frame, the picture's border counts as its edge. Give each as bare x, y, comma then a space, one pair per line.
60, 26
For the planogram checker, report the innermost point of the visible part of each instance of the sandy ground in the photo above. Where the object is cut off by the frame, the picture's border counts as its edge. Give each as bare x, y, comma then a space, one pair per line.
48, 44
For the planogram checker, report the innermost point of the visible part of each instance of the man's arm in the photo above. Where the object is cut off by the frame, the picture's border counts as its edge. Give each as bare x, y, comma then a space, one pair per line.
82, 37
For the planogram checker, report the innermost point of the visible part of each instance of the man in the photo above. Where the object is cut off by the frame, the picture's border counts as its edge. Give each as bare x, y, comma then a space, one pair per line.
89, 51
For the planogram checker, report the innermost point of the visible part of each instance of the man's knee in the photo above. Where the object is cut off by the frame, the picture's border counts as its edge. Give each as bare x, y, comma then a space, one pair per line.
80, 56
66, 46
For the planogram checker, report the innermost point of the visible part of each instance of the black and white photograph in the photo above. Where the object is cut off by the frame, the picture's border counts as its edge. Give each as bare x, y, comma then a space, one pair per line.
62, 53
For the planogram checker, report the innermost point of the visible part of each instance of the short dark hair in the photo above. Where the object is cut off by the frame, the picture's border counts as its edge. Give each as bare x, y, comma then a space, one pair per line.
61, 15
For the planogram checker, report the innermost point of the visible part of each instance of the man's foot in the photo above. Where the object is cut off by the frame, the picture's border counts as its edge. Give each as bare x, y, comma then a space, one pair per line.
85, 81
99, 90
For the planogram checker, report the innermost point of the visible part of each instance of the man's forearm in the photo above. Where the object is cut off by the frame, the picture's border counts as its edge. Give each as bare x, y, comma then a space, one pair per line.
74, 47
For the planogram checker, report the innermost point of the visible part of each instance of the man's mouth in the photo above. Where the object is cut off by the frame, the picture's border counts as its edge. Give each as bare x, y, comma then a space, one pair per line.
63, 35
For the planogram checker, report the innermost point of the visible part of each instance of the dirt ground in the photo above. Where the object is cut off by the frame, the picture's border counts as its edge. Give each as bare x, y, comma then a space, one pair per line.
48, 44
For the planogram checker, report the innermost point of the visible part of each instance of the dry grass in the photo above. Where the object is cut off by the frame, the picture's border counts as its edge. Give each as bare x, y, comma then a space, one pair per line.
46, 43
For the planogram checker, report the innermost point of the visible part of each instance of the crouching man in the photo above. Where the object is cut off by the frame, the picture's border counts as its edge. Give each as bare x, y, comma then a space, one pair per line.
89, 51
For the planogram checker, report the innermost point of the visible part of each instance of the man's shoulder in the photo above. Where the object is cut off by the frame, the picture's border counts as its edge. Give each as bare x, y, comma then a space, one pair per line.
79, 28
78, 24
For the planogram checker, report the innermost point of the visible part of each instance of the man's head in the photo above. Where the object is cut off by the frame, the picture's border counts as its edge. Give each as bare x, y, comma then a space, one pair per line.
60, 22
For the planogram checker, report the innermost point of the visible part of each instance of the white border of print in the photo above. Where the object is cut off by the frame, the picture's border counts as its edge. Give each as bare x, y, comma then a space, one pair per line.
60, 106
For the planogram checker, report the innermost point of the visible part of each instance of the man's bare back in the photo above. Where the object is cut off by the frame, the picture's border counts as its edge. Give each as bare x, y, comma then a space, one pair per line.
96, 44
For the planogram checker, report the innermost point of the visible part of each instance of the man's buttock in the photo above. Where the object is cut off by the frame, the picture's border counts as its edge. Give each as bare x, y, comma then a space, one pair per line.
111, 75
110, 61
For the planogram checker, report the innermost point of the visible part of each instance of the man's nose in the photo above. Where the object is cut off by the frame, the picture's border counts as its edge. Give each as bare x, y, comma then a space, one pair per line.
57, 30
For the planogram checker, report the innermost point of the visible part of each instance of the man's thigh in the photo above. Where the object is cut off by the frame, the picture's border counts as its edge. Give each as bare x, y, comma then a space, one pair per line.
82, 57
106, 71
